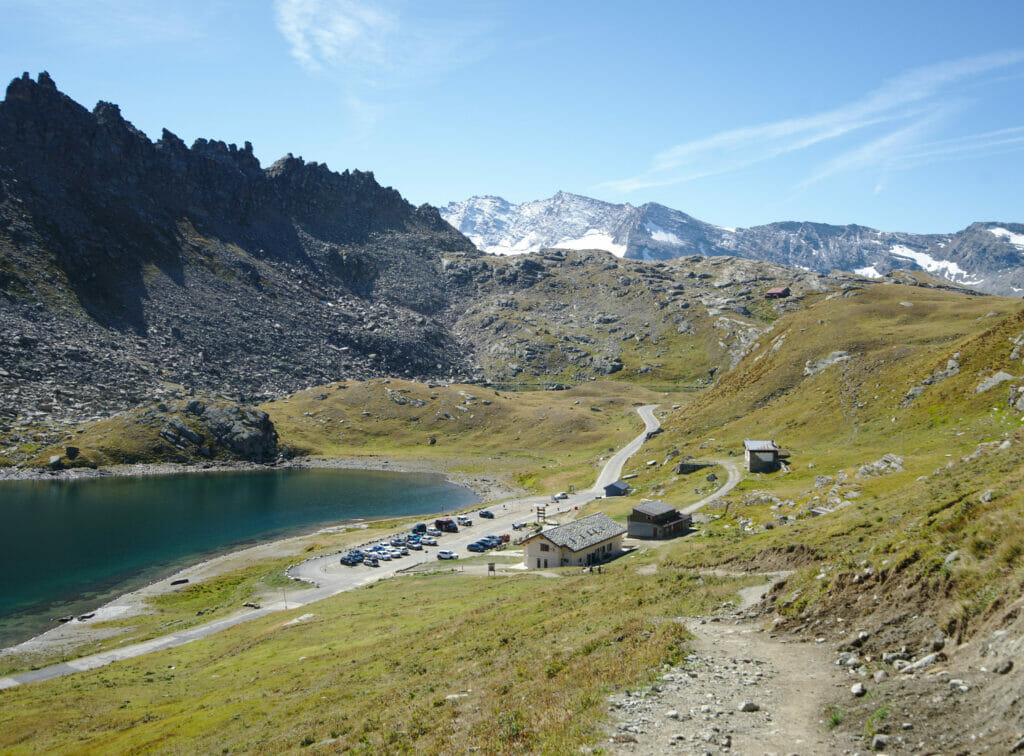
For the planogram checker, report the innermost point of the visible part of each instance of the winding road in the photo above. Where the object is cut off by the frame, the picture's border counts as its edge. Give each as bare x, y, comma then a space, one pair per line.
329, 577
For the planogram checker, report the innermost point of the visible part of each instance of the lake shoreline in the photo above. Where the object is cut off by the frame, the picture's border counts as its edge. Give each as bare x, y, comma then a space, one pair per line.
73, 635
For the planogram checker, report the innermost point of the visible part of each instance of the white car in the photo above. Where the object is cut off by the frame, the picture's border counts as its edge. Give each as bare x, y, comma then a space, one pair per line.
434, 532
428, 540
446, 554
561, 495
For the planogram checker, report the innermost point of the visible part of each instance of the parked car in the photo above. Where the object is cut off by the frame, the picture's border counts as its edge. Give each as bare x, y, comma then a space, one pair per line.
492, 541
419, 527
415, 545
463, 520
429, 540
398, 541
561, 495
384, 556
432, 532
446, 525
476, 546
446, 554
371, 561
486, 513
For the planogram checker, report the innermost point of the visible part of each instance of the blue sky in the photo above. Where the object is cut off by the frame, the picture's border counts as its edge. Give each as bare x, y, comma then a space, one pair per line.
901, 116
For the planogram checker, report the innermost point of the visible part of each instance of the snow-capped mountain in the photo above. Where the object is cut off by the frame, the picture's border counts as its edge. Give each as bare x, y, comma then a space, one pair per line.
987, 256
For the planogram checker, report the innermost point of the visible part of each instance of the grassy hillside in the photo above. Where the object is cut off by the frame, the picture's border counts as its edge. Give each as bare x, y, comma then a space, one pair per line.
420, 664
951, 484
898, 512
552, 437
549, 439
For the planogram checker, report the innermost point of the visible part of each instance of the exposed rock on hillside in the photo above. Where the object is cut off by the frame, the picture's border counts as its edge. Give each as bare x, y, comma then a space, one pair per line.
130, 269
178, 431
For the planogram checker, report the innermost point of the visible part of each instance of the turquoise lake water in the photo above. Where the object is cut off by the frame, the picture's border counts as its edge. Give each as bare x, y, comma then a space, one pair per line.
70, 546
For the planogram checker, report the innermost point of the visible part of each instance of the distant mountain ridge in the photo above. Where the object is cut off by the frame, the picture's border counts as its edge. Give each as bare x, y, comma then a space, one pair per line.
987, 256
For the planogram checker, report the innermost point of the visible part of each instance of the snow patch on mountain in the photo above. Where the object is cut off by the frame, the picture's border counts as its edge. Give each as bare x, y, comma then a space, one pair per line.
945, 268
1016, 240
868, 272
659, 234
593, 240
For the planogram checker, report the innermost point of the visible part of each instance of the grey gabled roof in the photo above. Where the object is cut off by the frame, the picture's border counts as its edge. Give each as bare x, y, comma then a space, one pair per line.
653, 508
618, 486
760, 446
584, 532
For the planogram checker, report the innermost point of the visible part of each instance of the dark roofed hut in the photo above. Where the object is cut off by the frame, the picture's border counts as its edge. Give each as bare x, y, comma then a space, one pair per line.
618, 488
656, 519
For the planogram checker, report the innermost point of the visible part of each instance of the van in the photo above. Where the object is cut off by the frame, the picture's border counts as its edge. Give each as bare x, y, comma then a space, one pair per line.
463, 520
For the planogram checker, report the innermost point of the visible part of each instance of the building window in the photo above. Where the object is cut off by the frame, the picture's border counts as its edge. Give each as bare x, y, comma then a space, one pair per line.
544, 547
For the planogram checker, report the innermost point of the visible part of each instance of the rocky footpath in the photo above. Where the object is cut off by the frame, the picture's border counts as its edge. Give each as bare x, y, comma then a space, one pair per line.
748, 688
742, 690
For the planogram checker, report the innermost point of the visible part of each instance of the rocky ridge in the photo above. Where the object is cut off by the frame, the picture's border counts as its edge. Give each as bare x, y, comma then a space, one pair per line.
133, 270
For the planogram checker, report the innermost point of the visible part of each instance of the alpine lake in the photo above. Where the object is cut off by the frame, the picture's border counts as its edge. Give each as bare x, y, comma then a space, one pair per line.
71, 545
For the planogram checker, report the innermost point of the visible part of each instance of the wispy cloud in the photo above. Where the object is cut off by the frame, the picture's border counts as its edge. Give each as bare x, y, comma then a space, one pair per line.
909, 102
372, 40
126, 23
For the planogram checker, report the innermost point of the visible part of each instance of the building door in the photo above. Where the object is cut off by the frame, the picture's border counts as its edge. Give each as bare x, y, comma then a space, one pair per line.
538, 563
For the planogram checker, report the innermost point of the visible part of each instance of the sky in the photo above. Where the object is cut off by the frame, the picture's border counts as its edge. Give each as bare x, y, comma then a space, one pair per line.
902, 116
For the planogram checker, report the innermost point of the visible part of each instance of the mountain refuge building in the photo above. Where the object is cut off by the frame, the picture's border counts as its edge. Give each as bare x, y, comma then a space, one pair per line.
656, 519
588, 540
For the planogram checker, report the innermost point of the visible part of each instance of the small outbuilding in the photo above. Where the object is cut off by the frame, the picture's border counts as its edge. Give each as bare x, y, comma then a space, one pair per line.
588, 540
618, 488
778, 292
656, 519
762, 456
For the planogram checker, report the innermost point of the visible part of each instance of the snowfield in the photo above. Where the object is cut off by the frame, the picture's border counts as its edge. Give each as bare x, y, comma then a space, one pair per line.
1016, 240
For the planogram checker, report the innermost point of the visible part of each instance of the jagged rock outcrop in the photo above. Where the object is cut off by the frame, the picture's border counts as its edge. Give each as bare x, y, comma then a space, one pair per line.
130, 268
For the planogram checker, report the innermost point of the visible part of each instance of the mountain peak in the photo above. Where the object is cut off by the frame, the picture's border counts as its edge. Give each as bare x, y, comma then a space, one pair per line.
989, 256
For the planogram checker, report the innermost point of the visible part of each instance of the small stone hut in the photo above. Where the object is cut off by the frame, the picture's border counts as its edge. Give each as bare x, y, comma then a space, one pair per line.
762, 456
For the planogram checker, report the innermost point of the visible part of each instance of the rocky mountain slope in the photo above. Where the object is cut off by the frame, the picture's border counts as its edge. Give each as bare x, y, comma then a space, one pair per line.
130, 269
134, 272
987, 256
